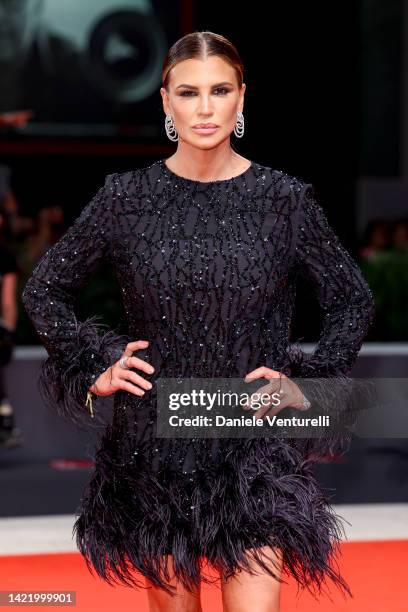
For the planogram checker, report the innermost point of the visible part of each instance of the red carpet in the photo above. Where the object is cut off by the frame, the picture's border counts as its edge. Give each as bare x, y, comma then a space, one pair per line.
375, 571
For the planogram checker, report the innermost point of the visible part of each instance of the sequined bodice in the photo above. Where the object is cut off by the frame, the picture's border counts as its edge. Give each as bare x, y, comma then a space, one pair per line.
201, 269
207, 272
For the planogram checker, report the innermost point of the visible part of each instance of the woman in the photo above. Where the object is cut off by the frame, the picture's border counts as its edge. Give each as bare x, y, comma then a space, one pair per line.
206, 245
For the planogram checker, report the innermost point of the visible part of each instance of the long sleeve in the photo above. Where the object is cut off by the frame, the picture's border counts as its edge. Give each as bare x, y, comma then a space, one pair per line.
78, 351
344, 296
347, 307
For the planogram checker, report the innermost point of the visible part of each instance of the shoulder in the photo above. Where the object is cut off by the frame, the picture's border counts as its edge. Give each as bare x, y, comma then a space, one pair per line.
130, 182
284, 188
280, 179
136, 175
276, 182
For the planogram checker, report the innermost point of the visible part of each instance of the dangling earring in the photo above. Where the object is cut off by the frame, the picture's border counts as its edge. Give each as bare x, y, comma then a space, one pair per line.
240, 125
170, 129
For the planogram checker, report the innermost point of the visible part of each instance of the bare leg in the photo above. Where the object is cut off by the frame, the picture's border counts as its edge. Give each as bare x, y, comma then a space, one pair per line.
244, 592
182, 601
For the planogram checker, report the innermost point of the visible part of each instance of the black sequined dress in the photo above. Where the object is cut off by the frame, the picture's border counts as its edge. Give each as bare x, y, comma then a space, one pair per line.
207, 272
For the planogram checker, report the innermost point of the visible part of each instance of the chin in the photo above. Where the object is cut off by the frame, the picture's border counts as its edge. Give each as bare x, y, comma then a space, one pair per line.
206, 143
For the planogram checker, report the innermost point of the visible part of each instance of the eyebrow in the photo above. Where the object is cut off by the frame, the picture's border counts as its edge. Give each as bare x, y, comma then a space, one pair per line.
194, 87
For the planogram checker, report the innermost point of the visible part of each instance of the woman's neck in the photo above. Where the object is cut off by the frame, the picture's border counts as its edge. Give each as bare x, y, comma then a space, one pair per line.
202, 165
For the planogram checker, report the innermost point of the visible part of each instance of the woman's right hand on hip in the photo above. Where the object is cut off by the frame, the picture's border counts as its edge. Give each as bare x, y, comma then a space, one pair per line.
116, 377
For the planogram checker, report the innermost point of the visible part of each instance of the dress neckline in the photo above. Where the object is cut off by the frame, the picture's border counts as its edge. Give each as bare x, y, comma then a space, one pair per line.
178, 177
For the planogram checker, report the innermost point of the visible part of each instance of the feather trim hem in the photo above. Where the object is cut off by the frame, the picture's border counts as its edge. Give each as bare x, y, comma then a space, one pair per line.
261, 494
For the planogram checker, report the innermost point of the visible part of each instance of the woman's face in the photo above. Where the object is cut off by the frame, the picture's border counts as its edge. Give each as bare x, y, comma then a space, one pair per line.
203, 91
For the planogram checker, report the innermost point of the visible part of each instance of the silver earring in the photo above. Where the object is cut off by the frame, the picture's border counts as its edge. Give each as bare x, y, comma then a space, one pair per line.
170, 129
240, 125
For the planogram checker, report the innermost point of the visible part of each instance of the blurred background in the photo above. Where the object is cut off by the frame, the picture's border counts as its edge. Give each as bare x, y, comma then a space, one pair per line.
326, 101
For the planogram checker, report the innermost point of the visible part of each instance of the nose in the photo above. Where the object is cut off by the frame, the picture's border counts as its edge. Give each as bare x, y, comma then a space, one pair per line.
205, 104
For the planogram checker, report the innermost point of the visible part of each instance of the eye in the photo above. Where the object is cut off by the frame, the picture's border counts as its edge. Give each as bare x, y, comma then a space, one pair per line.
186, 93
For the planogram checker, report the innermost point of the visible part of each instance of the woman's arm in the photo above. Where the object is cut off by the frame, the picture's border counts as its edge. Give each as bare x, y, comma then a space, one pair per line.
347, 307
10, 271
344, 296
8, 300
79, 351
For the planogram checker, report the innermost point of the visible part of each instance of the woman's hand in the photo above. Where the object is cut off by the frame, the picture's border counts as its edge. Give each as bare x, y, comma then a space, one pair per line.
287, 393
116, 377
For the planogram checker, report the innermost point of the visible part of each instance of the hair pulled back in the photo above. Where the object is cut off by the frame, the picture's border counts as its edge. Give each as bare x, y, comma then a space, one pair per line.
200, 45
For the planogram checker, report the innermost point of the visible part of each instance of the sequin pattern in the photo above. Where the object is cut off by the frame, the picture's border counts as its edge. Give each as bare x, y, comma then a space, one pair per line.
207, 273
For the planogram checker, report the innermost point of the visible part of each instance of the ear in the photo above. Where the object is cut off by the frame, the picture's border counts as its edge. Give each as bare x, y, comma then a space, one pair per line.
241, 97
165, 100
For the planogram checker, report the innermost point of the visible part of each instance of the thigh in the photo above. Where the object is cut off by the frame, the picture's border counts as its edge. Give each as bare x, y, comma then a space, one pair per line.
182, 600
254, 589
